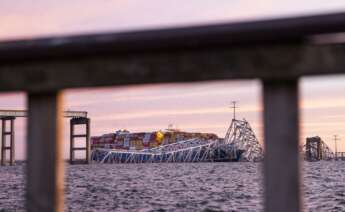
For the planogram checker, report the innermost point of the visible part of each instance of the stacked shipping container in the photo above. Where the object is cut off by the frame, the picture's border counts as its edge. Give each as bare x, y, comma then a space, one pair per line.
144, 140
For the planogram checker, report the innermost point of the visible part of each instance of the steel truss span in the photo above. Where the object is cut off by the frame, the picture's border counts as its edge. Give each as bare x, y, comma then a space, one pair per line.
242, 137
240, 144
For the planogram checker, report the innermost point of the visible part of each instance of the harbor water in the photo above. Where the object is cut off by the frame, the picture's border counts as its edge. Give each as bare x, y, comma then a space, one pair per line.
228, 186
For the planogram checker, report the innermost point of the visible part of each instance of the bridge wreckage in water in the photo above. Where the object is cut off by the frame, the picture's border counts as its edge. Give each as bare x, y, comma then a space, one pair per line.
239, 144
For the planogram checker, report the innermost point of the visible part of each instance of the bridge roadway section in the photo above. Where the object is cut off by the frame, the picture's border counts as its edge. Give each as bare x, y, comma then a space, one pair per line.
8, 134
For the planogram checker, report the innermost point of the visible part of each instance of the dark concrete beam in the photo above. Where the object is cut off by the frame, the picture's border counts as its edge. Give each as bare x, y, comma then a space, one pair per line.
201, 37
268, 49
266, 62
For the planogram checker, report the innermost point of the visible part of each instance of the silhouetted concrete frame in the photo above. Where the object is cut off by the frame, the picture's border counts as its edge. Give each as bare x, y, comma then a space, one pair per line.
277, 51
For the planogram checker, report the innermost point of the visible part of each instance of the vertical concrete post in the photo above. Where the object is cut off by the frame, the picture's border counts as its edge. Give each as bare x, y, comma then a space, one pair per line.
4, 146
71, 149
281, 132
85, 122
45, 168
12, 148
3, 141
88, 146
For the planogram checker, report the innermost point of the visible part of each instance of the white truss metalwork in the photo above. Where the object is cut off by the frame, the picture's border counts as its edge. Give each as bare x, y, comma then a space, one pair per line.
192, 150
240, 143
242, 137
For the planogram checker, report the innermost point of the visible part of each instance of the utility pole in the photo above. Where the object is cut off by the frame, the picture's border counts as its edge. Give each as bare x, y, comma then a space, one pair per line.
234, 107
335, 146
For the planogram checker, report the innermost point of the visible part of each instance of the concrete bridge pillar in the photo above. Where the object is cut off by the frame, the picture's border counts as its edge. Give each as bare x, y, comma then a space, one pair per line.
86, 136
7, 146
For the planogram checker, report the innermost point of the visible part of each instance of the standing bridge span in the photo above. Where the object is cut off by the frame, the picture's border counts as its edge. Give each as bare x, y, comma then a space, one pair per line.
316, 149
8, 134
339, 156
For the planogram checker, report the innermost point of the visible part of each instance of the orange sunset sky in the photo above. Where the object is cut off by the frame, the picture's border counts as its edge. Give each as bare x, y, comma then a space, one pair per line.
193, 107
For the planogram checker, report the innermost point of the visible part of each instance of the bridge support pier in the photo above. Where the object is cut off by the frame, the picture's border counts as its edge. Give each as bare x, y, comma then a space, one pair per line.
4, 134
339, 156
86, 136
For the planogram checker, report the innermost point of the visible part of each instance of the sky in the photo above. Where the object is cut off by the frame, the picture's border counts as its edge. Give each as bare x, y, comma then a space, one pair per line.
36, 18
192, 107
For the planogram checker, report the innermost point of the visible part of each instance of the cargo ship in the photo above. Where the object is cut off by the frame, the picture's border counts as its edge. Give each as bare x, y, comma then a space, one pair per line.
125, 140
170, 145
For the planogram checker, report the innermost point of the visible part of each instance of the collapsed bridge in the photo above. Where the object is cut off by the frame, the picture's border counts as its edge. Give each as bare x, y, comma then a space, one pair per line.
239, 144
